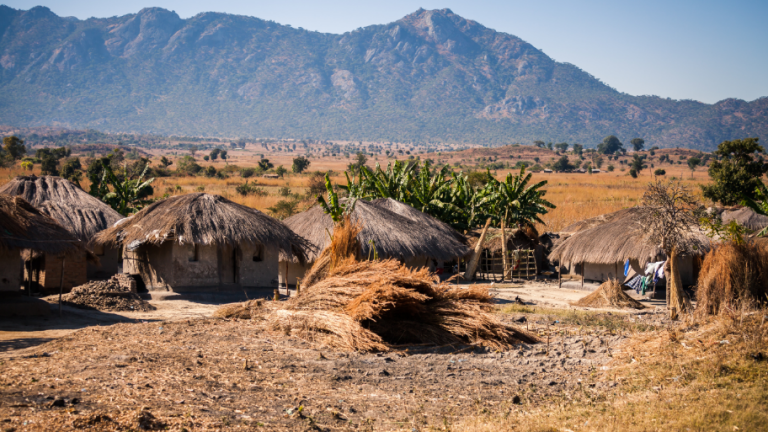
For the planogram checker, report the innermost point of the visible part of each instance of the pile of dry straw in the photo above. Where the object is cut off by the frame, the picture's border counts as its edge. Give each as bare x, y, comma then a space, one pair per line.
609, 294
361, 305
732, 276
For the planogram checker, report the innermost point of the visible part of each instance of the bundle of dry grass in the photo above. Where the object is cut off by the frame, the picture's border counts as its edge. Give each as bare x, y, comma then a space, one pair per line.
244, 310
609, 294
370, 305
732, 275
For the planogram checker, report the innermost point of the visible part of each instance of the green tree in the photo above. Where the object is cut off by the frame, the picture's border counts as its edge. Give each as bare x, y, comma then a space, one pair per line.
265, 165
280, 171
300, 164
360, 161
214, 154
284, 209
49, 165
206, 158
637, 144
693, 162
14, 147
660, 172
633, 173
638, 163
164, 162
539, 143
610, 145
71, 171
563, 164
578, 149
736, 171
561, 147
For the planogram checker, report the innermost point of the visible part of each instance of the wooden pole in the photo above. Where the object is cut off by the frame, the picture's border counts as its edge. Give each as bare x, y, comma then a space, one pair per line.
504, 265
559, 275
472, 266
582, 275
61, 283
287, 292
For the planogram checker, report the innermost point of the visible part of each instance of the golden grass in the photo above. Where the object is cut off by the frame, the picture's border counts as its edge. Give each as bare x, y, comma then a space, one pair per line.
711, 375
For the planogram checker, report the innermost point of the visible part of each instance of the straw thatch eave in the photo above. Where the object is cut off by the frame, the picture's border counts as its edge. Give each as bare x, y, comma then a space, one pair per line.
79, 212
515, 237
395, 235
419, 217
26, 228
619, 238
745, 217
204, 219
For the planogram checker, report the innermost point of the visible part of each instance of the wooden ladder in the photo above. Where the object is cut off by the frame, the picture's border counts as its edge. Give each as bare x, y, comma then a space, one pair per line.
522, 265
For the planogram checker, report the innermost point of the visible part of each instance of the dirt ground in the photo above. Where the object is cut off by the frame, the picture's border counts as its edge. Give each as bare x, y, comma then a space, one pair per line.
177, 368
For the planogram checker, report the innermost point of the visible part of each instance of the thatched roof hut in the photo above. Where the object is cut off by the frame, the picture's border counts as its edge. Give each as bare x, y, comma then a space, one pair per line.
204, 219
616, 237
398, 230
745, 217
24, 227
76, 210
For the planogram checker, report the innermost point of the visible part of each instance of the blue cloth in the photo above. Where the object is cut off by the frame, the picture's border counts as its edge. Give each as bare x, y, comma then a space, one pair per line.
626, 268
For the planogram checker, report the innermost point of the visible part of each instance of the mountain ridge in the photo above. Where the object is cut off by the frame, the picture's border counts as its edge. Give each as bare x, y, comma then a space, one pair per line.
432, 75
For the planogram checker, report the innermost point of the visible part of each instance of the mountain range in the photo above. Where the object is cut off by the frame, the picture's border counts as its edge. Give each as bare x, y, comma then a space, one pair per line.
430, 76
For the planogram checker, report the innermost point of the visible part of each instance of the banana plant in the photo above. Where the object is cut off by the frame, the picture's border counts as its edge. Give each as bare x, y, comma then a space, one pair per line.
334, 207
521, 203
128, 196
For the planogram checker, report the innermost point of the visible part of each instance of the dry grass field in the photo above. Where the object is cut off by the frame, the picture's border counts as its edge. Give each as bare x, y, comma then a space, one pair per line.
577, 196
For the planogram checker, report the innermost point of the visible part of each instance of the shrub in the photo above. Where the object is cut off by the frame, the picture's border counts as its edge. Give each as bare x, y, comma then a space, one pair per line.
660, 172
247, 172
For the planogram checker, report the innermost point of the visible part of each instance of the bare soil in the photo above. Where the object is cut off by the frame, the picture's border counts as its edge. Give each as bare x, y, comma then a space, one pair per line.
210, 373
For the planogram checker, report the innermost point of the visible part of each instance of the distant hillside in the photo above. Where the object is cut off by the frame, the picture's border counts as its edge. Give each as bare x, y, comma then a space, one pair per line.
431, 76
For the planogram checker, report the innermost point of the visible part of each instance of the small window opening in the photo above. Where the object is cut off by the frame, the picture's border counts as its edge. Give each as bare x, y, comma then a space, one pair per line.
258, 254
195, 253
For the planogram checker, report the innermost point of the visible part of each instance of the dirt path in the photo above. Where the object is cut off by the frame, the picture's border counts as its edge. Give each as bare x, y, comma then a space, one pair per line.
28, 332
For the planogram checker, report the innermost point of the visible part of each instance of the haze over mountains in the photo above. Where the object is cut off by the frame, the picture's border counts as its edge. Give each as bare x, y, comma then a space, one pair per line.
431, 75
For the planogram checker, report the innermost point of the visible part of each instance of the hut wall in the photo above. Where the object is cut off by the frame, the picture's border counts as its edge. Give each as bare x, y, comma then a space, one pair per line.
294, 271
75, 272
10, 270
418, 262
204, 272
259, 266
603, 272
107, 263
153, 263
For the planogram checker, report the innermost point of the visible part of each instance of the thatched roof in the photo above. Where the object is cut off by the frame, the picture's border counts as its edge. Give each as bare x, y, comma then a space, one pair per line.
618, 238
745, 217
205, 219
81, 213
395, 235
525, 238
24, 227
417, 216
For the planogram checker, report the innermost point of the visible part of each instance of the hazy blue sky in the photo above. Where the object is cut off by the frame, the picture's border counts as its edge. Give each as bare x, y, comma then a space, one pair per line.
703, 50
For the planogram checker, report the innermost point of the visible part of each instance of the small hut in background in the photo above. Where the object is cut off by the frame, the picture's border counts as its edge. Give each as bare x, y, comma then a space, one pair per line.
597, 248
396, 230
24, 228
745, 217
198, 242
81, 214
526, 239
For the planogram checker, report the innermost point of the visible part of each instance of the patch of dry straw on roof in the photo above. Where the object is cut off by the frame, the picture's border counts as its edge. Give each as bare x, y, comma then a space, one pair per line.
371, 305
205, 219
81, 213
619, 238
609, 294
396, 235
24, 227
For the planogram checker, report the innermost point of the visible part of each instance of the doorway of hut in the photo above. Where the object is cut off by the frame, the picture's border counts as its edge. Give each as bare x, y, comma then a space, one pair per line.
229, 260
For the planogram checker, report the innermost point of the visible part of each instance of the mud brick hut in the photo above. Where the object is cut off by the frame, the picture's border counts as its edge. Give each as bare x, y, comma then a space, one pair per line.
203, 242
23, 228
79, 212
597, 248
517, 239
394, 229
